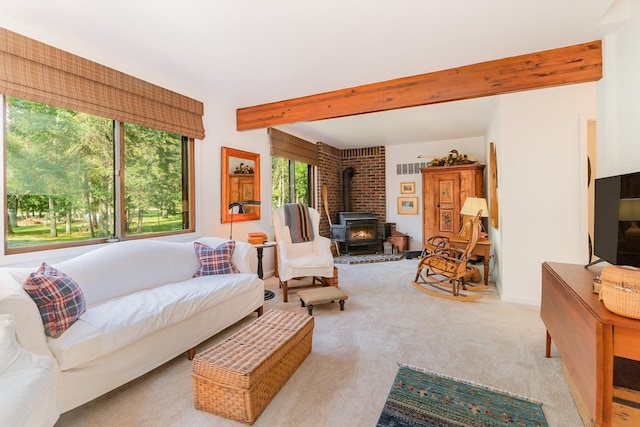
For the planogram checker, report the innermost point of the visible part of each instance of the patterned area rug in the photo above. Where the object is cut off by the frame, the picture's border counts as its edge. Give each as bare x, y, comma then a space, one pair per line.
422, 398
366, 259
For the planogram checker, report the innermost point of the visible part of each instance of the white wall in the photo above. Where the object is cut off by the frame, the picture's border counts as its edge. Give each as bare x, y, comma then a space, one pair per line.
408, 153
618, 145
220, 126
542, 179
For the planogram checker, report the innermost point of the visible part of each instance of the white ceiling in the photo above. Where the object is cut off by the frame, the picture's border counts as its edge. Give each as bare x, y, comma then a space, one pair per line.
244, 53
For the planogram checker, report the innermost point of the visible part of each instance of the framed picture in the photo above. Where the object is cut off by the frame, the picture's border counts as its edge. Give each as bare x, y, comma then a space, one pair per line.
408, 205
407, 187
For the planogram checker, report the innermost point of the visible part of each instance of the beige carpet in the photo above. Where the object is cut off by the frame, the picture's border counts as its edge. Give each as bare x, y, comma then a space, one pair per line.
346, 378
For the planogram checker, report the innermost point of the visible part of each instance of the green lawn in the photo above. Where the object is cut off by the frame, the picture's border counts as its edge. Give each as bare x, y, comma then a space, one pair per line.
39, 234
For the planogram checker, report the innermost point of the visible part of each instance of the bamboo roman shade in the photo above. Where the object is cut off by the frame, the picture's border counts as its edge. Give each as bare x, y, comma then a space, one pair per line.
38, 72
292, 148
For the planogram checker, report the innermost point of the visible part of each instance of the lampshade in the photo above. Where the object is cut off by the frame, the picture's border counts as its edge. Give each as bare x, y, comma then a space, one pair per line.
472, 205
629, 210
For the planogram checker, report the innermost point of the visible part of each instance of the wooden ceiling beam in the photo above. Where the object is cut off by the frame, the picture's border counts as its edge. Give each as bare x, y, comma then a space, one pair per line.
567, 65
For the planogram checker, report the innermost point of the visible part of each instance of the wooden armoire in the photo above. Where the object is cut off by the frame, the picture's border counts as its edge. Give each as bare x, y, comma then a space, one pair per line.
444, 190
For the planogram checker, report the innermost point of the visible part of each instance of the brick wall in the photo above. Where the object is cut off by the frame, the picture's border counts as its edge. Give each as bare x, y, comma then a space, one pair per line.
368, 185
329, 175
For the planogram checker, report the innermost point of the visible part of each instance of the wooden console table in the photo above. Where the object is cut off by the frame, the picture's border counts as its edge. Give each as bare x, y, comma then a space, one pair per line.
588, 336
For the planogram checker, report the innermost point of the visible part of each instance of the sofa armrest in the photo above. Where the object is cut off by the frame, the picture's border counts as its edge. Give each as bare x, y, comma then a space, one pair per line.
28, 323
294, 250
321, 245
245, 257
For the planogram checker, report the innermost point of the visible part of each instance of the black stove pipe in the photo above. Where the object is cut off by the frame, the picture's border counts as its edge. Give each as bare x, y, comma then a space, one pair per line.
347, 175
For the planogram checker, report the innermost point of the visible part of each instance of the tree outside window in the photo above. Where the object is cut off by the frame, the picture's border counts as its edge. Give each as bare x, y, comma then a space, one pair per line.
291, 182
60, 178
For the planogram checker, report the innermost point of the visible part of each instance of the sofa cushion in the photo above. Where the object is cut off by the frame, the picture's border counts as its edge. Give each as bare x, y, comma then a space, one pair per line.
142, 313
244, 255
58, 297
215, 261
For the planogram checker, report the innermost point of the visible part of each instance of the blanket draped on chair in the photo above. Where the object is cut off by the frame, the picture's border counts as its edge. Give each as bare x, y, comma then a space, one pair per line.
296, 216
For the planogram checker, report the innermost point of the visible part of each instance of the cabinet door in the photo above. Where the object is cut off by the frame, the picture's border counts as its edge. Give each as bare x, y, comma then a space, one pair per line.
240, 187
246, 189
442, 204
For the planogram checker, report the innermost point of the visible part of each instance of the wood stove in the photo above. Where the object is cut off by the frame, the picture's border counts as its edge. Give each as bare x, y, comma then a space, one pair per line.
359, 229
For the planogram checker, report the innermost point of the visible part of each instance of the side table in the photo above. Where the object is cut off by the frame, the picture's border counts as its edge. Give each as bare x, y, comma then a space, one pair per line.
260, 249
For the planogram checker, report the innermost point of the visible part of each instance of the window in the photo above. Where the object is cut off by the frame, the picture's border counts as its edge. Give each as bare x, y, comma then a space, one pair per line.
292, 168
292, 182
70, 177
156, 181
62, 170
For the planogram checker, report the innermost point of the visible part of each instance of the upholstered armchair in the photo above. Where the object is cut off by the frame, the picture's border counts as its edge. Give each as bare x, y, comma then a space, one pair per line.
312, 258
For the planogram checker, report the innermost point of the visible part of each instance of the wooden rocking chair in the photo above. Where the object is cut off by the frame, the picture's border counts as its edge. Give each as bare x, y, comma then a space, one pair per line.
441, 271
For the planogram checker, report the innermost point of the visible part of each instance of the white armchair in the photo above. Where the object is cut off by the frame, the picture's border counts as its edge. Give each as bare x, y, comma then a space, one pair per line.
305, 259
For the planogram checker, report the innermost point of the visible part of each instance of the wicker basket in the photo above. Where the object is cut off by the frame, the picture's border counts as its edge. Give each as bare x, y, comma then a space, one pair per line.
620, 290
238, 377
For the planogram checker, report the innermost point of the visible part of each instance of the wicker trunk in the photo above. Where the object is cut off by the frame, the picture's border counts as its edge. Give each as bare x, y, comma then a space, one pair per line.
238, 377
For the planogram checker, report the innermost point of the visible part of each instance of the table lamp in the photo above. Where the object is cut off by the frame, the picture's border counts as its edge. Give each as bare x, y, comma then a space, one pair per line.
471, 207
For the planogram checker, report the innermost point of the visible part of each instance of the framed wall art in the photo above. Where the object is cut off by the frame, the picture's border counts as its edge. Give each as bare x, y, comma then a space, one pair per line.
493, 184
407, 205
407, 187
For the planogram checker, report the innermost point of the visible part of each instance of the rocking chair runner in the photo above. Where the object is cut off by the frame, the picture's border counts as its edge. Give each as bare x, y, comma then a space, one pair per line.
441, 271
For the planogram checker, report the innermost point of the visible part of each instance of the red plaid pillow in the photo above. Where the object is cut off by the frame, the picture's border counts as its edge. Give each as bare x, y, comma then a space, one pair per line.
215, 261
58, 297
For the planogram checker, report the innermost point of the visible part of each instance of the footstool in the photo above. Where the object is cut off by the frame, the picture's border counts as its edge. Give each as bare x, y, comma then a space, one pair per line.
238, 377
309, 297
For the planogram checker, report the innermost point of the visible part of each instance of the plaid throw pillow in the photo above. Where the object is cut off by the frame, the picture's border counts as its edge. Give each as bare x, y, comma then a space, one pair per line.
215, 261
58, 297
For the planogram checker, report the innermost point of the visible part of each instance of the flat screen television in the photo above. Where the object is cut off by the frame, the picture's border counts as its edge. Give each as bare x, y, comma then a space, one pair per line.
616, 234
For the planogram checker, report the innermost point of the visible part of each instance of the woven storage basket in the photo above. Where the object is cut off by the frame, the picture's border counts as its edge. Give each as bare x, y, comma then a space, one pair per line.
238, 377
620, 291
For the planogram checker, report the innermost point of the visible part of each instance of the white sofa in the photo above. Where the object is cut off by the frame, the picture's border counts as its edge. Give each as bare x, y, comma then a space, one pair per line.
143, 308
27, 389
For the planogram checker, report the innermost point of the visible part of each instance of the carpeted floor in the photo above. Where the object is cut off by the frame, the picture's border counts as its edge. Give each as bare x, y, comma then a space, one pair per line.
346, 378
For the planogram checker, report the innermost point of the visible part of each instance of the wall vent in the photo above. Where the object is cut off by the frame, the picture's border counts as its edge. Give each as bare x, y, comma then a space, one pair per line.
410, 168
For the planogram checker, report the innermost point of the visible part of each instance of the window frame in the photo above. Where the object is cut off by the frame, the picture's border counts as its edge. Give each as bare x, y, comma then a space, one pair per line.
188, 185
310, 184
